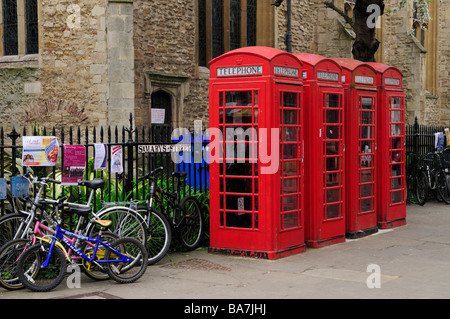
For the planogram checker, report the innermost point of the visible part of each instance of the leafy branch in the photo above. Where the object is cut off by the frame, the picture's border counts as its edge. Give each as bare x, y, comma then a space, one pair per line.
349, 20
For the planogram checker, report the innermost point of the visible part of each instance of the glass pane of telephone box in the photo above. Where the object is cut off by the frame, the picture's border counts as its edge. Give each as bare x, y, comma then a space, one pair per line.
240, 98
333, 132
239, 220
239, 185
332, 211
395, 102
290, 220
397, 197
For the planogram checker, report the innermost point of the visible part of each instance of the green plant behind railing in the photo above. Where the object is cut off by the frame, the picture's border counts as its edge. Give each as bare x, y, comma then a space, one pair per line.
113, 191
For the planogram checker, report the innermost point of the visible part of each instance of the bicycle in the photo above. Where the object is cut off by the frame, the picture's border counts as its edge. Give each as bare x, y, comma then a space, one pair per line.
10, 252
446, 164
431, 179
17, 224
443, 178
20, 226
126, 221
417, 179
125, 259
184, 216
159, 231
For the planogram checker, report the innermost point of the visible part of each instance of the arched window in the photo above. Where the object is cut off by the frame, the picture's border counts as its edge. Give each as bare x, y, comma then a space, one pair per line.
419, 26
31, 27
20, 27
226, 25
10, 26
161, 112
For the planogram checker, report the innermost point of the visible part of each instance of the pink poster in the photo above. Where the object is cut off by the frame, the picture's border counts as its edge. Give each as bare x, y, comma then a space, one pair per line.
74, 164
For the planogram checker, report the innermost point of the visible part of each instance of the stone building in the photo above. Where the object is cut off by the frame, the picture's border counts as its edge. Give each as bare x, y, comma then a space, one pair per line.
95, 62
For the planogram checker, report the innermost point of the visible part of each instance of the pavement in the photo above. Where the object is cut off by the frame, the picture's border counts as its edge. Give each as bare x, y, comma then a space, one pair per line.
407, 262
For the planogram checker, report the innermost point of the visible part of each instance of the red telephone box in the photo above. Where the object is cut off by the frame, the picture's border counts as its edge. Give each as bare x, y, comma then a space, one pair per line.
391, 147
256, 198
360, 86
324, 151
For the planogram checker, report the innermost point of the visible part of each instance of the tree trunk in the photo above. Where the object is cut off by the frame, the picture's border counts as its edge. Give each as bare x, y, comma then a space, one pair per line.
365, 44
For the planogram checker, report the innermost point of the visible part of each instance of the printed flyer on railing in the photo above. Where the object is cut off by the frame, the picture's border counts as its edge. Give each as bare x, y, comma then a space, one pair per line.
40, 150
74, 164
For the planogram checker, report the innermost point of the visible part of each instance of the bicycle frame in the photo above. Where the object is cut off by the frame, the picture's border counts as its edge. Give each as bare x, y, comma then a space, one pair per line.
172, 201
61, 233
39, 235
30, 215
428, 174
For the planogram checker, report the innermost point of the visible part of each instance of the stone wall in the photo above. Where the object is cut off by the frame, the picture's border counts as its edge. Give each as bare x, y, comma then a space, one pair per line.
331, 35
444, 62
432, 110
120, 62
84, 72
18, 86
73, 58
303, 19
165, 49
88, 72
408, 55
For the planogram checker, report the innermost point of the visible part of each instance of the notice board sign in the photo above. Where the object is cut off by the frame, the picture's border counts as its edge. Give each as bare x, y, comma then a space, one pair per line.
158, 116
3, 190
19, 186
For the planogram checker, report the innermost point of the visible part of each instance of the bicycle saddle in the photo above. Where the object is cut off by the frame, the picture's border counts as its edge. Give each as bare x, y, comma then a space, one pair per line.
179, 174
103, 223
94, 184
81, 211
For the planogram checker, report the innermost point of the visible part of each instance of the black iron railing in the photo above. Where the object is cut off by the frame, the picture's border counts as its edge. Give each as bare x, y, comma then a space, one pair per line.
144, 148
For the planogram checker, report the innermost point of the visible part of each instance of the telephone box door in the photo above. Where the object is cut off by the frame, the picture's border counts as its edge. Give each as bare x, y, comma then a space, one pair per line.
362, 164
394, 204
239, 220
391, 203
290, 219
332, 137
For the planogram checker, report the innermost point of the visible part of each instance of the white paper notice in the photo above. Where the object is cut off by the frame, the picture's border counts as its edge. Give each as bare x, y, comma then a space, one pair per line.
158, 116
100, 156
116, 159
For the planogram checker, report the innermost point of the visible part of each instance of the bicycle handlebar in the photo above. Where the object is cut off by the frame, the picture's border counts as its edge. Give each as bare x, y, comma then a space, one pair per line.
149, 175
58, 202
41, 179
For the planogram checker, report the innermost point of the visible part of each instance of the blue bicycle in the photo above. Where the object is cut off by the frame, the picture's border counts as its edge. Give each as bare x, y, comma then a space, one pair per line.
43, 266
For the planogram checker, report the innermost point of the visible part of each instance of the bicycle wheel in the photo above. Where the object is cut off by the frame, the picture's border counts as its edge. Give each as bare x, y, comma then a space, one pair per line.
191, 228
12, 227
441, 186
9, 256
421, 188
40, 279
90, 269
159, 235
126, 272
125, 223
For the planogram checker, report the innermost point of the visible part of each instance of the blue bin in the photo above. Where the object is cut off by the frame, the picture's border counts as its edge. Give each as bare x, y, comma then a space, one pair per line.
198, 173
